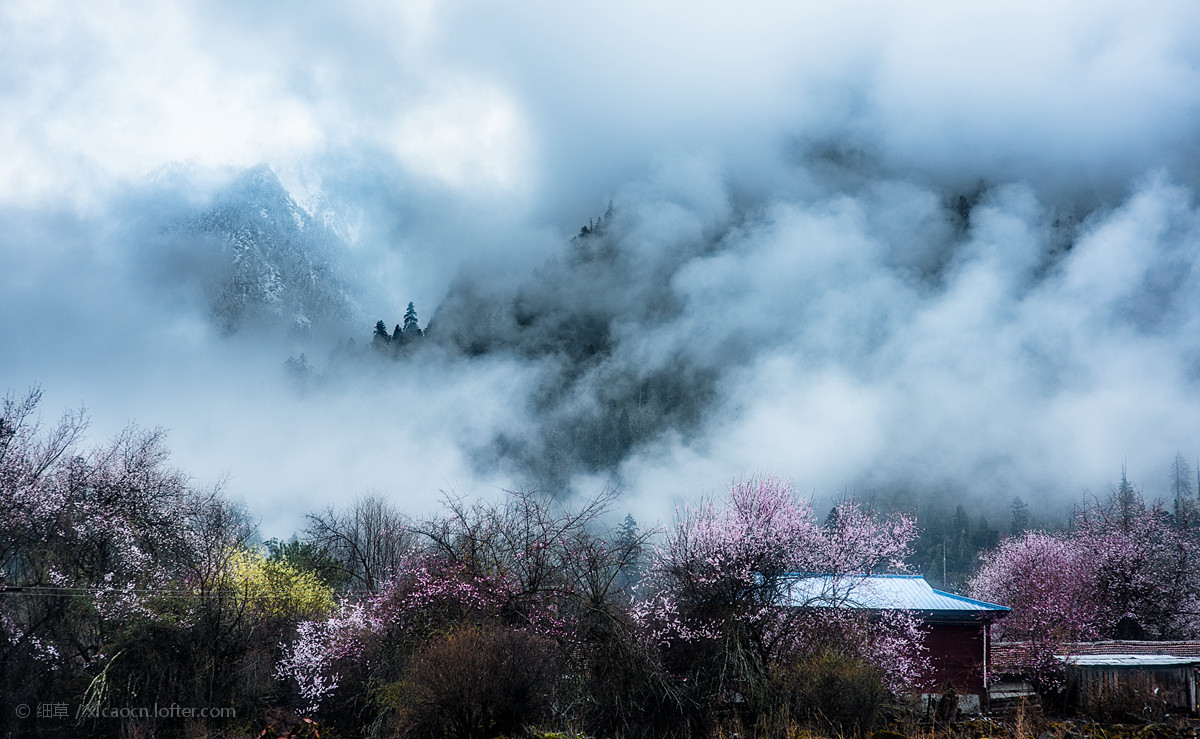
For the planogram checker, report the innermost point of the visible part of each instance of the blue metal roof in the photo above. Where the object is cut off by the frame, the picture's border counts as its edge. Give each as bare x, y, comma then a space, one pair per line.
883, 593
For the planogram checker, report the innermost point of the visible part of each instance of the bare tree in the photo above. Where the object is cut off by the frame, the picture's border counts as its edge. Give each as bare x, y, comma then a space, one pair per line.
1183, 492
368, 542
532, 541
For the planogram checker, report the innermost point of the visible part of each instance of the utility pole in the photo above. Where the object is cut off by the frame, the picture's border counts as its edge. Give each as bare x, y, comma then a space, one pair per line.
943, 560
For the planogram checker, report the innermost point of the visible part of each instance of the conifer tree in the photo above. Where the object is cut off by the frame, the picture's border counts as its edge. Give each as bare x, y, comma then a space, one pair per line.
1181, 481
411, 329
1020, 516
381, 337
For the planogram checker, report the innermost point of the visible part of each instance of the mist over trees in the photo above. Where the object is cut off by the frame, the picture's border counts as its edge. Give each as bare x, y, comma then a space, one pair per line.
665, 326
692, 329
593, 410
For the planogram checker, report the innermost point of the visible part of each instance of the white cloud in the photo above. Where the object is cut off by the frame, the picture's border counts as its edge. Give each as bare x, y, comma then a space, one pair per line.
782, 172
468, 137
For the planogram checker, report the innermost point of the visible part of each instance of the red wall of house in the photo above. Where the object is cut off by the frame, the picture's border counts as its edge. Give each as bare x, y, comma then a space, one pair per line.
956, 657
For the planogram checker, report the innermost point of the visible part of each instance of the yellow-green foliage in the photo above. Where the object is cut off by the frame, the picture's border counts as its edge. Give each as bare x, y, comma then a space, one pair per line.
275, 587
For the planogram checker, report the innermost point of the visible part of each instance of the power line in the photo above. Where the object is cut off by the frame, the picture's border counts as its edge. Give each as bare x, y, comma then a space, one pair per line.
73, 592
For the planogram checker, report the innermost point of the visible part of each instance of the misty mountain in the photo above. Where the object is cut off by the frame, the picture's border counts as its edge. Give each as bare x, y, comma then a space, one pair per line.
639, 327
576, 319
271, 264
685, 325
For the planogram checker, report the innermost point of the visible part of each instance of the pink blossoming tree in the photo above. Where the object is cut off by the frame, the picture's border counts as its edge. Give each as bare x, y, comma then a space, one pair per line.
1145, 559
1049, 581
716, 596
1125, 570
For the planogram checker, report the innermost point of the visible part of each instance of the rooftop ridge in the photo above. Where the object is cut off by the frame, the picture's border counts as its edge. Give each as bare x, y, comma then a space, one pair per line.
972, 601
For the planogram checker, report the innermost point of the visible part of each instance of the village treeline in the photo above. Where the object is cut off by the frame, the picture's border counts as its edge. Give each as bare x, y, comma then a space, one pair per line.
1126, 568
123, 584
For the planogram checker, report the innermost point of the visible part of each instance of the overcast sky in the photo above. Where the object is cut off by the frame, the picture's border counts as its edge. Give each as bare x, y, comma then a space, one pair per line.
785, 172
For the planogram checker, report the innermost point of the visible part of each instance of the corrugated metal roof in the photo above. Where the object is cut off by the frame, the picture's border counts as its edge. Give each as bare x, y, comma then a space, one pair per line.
1128, 660
882, 592
1008, 657
1113, 646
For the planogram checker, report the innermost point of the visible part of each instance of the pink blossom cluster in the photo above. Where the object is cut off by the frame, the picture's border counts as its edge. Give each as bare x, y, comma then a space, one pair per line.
723, 569
1049, 582
1127, 569
1146, 569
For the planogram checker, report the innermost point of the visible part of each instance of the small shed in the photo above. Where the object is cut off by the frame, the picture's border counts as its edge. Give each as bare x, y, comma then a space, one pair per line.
1166, 681
1162, 672
958, 629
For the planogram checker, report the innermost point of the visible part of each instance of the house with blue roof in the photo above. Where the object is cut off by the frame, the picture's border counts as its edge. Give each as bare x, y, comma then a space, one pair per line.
958, 629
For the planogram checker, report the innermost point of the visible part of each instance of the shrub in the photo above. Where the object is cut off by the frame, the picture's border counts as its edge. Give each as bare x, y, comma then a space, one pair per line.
835, 692
623, 689
474, 682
